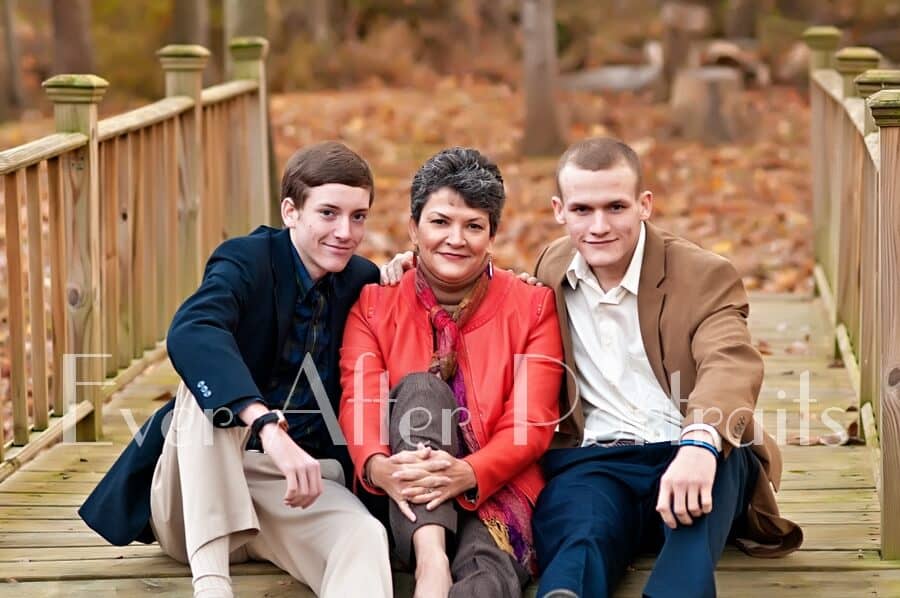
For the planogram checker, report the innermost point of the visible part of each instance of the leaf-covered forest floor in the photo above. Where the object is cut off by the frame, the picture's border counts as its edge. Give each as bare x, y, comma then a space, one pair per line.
749, 200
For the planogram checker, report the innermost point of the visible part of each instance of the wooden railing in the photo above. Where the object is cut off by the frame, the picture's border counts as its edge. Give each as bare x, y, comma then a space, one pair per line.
134, 203
855, 142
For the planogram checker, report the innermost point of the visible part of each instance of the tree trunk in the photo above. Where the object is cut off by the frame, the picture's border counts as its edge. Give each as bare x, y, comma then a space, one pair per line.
12, 101
740, 18
72, 50
191, 26
683, 22
249, 18
190, 22
543, 129
320, 21
806, 10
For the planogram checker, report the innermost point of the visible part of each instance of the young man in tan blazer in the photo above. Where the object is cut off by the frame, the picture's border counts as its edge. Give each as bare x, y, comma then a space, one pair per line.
658, 447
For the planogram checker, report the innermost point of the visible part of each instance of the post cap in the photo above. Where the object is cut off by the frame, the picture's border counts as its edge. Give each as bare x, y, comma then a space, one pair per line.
75, 89
183, 57
874, 80
249, 48
822, 38
856, 59
885, 107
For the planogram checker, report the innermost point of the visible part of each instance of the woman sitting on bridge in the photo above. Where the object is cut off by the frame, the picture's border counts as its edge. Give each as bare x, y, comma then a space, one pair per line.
468, 418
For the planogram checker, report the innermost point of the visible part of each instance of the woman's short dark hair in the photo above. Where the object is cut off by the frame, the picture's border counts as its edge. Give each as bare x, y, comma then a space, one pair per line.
323, 163
466, 171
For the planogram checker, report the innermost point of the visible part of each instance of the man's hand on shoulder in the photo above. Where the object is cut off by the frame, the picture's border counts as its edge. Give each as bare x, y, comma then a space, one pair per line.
685, 489
527, 278
392, 272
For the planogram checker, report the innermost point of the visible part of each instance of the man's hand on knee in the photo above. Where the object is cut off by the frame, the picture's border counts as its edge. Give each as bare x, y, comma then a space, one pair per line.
685, 489
301, 471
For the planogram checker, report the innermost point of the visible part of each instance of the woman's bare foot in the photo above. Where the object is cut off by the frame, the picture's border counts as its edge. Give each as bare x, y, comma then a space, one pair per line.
433, 579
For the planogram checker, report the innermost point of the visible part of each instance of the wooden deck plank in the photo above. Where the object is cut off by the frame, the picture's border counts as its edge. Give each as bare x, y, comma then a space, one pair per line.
55, 537
268, 586
737, 584
822, 584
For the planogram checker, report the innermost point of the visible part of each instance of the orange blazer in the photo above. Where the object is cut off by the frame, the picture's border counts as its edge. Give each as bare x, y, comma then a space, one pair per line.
388, 335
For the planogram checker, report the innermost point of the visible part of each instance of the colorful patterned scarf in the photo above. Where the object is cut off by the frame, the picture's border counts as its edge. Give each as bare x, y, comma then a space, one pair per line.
507, 513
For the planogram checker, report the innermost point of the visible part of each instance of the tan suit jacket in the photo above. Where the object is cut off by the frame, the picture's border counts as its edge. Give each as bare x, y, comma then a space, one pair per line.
693, 310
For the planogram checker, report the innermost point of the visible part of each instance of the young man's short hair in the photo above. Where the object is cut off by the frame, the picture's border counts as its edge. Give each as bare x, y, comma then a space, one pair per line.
600, 153
323, 163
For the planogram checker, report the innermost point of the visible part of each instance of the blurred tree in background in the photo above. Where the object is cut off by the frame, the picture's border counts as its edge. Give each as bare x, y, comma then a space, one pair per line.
320, 44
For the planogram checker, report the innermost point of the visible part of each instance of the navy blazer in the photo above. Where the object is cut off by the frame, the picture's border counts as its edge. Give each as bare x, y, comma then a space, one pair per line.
224, 342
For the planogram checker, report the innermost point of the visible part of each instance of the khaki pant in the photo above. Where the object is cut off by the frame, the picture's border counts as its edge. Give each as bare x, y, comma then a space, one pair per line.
207, 486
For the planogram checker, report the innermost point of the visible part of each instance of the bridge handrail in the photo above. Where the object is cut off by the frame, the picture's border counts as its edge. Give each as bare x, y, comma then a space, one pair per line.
855, 150
226, 91
135, 204
39, 150
143, 117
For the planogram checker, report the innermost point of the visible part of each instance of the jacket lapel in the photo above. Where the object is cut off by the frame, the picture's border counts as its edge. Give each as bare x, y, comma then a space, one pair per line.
285, 283
552, 270
651, 298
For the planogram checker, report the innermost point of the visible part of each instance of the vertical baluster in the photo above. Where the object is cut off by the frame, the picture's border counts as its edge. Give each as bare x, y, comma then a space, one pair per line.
151, 205
142, 301
60, 237
109, 275
125, 235
170, 274
16, 295
36, 305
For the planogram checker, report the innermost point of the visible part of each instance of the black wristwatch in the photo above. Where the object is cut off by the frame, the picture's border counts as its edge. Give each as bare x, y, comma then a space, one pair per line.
272, 417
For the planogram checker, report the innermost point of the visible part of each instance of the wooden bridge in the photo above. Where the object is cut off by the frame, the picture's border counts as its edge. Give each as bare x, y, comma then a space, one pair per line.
138, 200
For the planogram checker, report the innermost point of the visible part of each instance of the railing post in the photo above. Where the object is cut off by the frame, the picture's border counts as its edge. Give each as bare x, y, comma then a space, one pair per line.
852, 62
885, 106
75, 99
871, 82
822, 42
183, 66
868, 84
248, 56
846, 202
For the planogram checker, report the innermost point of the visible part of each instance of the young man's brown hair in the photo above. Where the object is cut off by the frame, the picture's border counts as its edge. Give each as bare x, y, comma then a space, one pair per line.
323, 163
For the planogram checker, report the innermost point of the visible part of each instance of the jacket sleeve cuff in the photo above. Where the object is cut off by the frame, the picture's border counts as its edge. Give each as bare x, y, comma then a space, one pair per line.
364, 479
242, 404
716, 437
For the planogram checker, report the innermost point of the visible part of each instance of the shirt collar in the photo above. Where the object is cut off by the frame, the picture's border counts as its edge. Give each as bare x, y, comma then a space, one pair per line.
579, 269
305, 282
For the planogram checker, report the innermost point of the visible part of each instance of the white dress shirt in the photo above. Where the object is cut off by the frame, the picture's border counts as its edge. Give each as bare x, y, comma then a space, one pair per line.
621, 397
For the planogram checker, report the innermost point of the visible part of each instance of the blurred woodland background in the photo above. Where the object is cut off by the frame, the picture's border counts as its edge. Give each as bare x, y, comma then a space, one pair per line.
399, 79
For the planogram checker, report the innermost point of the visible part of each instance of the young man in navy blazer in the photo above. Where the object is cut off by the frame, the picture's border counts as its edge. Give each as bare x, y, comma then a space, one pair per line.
247, 462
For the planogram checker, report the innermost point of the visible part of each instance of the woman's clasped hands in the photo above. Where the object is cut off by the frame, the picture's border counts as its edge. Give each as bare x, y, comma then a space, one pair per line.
422, 476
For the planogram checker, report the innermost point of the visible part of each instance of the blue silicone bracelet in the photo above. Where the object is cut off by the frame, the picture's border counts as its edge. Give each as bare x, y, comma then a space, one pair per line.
700, 443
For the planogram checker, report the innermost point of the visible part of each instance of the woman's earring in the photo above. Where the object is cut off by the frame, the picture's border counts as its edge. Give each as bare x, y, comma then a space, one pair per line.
415, 256
490, 266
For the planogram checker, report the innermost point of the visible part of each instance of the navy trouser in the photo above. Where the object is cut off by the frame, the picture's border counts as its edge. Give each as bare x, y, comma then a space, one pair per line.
598, 512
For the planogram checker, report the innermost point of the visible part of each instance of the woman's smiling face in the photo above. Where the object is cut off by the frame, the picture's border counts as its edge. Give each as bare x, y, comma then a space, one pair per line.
453, 238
